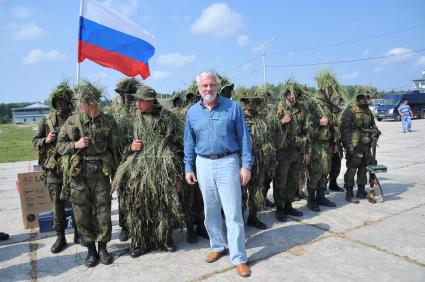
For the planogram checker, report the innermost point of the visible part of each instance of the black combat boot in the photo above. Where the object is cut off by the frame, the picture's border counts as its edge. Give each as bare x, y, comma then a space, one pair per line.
123, 235
60, 243
322, 201
191, 238
3, 236
280, 213
105, 257
169, 245
136, 252
289, 210
201, 230
333, 186
361, 192
349, 196
311, 203
253, 221
92, 257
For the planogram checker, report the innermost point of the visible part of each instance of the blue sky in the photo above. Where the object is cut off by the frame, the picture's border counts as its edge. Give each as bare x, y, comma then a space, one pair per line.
38, 42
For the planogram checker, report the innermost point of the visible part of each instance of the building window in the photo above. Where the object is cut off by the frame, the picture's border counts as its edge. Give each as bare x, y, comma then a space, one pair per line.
25, 120
33, 119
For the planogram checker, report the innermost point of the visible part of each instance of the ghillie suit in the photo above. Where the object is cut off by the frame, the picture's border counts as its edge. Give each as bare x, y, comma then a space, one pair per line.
292, 148
50, 160
262, 132
321, 136
151, 175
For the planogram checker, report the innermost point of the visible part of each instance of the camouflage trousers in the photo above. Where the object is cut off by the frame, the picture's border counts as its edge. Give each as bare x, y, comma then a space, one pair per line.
59, 220
318, 170
288, 173
357, 162
91, 203
255, 194
335, 166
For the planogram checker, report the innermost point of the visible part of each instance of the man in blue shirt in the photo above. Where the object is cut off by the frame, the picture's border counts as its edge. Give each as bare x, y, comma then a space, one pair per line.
217, 141
406, 116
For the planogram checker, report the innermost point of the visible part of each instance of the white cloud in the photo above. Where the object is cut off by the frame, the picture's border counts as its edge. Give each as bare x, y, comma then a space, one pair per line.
246, 67
259, 48
218, 20
102, 75
158, 75
421, 61
351, 75
38, 55
365, 53
175, 59
242, 40
26, 31
21, 12
397, 56
291, 55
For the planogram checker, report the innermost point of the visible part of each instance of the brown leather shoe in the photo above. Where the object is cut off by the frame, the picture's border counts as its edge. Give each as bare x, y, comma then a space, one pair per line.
243, 270
213, 256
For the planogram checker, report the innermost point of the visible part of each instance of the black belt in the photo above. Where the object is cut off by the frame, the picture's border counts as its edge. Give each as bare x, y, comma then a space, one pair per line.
219, 156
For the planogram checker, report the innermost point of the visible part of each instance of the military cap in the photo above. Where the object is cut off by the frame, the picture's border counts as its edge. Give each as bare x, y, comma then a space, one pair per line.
145, 92
87, 92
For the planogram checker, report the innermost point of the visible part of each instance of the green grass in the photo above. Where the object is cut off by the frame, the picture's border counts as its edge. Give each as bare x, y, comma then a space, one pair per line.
16, 143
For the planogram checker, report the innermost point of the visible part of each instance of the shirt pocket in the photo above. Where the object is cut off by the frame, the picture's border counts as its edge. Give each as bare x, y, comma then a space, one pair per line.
221, 127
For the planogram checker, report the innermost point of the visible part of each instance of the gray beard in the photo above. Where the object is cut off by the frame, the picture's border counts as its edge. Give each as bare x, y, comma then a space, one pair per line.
209, 98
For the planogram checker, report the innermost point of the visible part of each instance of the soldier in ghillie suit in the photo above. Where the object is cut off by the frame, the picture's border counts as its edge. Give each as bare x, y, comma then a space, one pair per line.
227, 90
262, 134
359, 132
123, 112
337, 151
88, 144
44, 142
153, 175
321, 132
293, 152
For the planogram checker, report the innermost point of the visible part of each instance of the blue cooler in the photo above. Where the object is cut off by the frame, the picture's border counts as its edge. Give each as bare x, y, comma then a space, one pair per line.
45, 220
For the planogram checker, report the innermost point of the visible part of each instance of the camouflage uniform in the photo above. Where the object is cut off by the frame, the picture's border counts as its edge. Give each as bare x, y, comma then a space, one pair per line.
90, 172
50, 161
262, 134
357, 128
122, 109
290, 155
150, 176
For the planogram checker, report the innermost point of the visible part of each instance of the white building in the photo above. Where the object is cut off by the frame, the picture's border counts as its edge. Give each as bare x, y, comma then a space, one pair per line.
30, 114
419, 84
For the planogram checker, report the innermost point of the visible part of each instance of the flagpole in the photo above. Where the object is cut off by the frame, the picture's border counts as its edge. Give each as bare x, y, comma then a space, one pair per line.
79, 33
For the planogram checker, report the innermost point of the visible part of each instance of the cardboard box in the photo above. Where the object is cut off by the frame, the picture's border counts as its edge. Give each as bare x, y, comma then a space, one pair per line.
34, 196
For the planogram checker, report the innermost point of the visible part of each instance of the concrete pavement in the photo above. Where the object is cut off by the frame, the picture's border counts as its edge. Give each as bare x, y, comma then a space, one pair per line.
366, 242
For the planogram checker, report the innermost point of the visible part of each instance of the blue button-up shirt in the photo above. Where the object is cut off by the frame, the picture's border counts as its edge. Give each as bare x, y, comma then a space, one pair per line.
221, 130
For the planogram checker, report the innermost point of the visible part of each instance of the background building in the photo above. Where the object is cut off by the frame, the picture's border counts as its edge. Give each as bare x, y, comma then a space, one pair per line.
30, 114
419, 84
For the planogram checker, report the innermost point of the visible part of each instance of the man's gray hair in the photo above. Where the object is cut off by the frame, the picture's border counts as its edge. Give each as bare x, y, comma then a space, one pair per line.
206, 73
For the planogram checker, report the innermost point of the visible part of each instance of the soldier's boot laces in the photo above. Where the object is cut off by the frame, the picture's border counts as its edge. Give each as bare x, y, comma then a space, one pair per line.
290, 210
280, 213
60, 243
253, 221
92, 257
312, 203
349, 196
333, 186
123, 235
105, 257
191, 238
361, 192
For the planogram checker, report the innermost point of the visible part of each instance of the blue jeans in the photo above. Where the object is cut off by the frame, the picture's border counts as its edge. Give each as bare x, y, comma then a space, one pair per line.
219, 181
406, 121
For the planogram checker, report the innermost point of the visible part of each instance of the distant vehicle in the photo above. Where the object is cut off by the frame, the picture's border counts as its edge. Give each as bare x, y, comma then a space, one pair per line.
374, 103
388, 109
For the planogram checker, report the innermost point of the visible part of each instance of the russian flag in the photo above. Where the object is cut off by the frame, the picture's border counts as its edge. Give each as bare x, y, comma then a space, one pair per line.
113, 41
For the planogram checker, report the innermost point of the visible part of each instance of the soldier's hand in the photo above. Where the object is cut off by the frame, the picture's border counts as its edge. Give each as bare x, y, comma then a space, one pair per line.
286, 119
191, 178
84, 142
335, 149
324, 121
137, 145
245, 176
50, 137
306, 159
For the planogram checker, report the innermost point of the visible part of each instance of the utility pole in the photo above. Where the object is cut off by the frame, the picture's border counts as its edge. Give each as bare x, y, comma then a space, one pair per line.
263, 54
